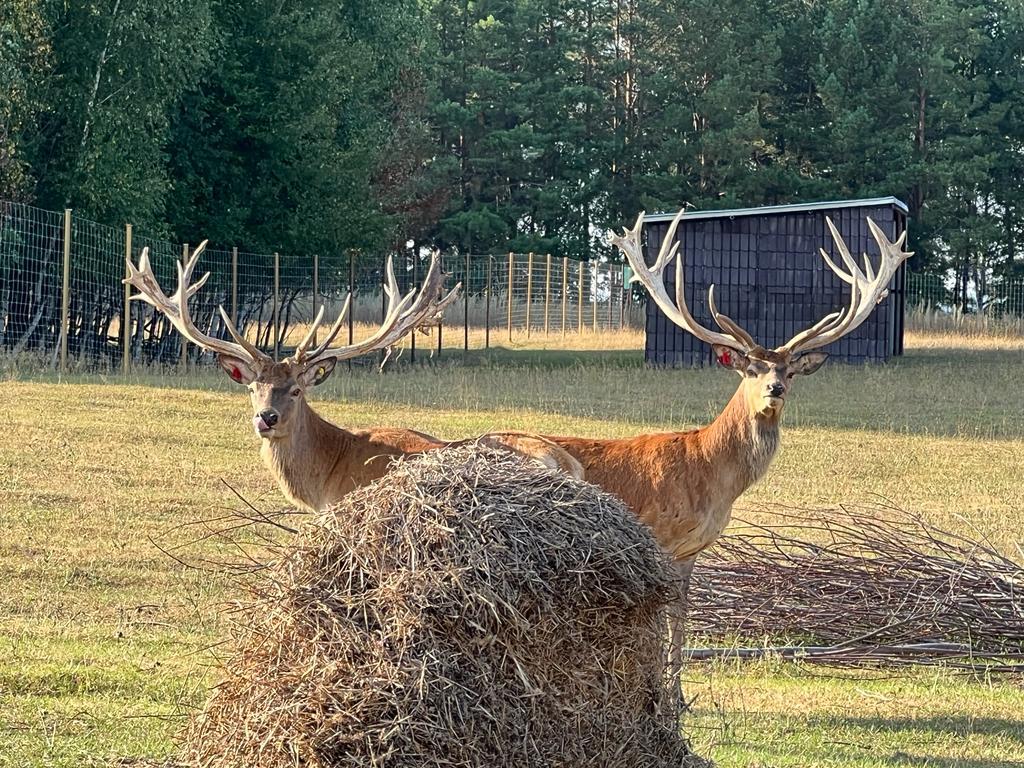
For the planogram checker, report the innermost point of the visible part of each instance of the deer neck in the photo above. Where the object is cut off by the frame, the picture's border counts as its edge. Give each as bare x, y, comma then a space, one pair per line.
303, 461
739, 445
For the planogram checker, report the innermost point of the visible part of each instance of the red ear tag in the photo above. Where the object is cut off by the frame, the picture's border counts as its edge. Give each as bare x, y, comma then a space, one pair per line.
236, 373
725, 358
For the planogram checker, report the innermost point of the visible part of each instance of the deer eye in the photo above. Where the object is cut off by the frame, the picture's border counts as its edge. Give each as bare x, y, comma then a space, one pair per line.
296, 392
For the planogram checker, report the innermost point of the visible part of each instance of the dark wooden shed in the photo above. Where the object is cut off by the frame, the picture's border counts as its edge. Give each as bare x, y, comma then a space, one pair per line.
770, 278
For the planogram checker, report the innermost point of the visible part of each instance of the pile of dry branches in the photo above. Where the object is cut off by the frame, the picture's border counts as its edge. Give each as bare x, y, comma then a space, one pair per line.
868, 584
468, 609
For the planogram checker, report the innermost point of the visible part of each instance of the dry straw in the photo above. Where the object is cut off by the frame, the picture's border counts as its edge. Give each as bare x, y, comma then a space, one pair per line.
862, 585
469, 609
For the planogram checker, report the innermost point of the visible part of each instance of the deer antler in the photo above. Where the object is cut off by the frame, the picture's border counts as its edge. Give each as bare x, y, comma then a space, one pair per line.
867, 288
175, 307
402, 315
653, 279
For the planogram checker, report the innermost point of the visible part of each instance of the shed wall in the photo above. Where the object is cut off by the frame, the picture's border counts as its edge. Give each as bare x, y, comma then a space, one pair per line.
770, 278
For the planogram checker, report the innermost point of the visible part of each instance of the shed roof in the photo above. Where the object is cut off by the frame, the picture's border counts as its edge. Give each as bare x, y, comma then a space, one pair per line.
870, 202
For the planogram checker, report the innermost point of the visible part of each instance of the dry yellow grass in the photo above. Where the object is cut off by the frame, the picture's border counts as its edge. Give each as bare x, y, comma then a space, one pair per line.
102, 632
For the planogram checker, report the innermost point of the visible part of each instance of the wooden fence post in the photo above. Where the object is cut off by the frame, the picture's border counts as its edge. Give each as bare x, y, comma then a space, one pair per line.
511, 258
65, 295
487, 310
440, 320
383, 298
126, 319
234, 286
579, 320
547, 294
465, 315
316, 290
277, 305
565, 289
611, 297
352, 295
529, 290
622, 297
593, 292
183, 362
412, 336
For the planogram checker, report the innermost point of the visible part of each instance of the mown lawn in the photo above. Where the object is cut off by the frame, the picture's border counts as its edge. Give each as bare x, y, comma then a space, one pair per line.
105, 638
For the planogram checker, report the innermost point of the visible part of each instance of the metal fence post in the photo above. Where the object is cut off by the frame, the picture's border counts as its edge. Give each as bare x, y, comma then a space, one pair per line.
593, 292
547, 295
65, 296
487, 307
529, 290
183, 362
277, 305
126, 319
234, 286
565, 289
511, 258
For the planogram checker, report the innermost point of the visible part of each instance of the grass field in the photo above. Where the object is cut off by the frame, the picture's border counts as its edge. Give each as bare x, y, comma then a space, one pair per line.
104, 638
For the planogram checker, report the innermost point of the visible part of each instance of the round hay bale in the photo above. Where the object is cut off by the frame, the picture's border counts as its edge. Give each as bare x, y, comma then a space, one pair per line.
468, 609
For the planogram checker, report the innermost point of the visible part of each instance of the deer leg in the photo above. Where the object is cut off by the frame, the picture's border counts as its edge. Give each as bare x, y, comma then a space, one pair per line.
677, 631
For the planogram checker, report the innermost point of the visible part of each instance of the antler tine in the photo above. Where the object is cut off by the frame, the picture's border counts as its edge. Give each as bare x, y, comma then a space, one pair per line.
175, 307
302, 354
255, 352
726, 322
300, 350
653, 279
867, 288
402, 315
142, 278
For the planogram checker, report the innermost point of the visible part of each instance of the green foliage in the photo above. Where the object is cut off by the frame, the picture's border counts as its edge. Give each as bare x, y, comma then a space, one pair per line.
527, 125
24, 62
119, 68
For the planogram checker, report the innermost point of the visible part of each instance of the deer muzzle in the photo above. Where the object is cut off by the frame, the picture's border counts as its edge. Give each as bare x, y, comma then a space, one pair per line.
264, 421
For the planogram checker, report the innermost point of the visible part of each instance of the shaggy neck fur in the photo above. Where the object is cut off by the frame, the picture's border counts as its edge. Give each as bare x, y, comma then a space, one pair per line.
304, 460
741, 443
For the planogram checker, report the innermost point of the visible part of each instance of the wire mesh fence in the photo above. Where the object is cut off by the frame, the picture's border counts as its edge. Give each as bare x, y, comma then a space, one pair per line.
62, 298
936, 302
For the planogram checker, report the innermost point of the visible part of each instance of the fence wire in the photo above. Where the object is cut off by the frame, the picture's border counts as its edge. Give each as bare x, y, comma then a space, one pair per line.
31, 255
506, 299
271, 298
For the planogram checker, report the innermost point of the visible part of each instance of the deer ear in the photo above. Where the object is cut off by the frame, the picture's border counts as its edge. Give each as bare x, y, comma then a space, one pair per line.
730, 358
318, 372
809, 363
239, 370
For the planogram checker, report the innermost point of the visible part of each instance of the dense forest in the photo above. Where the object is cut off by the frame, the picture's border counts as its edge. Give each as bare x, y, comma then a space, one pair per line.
496, 125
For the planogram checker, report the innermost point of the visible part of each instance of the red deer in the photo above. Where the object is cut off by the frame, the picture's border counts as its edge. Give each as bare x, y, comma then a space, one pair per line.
314, 461
683, 484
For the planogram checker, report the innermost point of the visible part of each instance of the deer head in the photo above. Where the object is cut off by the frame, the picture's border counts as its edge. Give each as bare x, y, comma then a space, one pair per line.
767, 373
278, 388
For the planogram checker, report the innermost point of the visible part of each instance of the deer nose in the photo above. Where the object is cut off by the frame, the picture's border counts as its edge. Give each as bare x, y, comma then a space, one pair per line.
269, 416
776, 390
